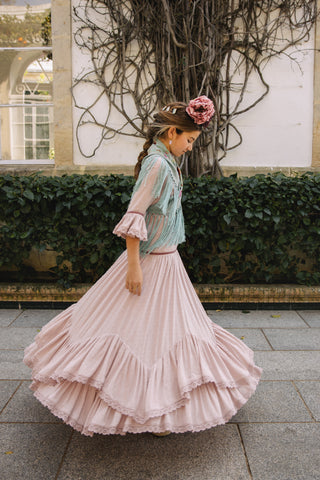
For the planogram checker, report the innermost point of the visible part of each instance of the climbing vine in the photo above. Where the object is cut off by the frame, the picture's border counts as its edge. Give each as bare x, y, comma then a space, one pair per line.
145, 53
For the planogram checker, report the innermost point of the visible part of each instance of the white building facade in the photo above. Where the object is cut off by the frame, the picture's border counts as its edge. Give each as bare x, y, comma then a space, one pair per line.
282, 132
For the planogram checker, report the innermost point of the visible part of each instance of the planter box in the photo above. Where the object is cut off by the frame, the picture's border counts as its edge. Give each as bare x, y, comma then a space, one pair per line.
240, 294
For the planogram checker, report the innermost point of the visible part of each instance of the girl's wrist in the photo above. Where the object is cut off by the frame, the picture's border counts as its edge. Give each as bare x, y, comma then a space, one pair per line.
133, 262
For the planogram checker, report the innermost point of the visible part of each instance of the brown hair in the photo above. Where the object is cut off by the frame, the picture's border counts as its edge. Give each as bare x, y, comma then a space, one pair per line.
173, 115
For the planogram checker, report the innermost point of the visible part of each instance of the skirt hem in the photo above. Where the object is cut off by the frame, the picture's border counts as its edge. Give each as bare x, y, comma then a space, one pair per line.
91, 429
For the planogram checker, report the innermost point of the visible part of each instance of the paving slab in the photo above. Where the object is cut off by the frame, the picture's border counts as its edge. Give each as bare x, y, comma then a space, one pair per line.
7, 389
283, 451
214, 454
24, 407
7, 316
16, 338
289, 365
311, 317
293, 338
274, 402
310, 392
12, 366
32, 451
253, 337
257, 319
35, 318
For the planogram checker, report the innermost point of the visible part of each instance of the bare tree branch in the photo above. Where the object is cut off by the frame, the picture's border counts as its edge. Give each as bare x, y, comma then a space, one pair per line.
146, 53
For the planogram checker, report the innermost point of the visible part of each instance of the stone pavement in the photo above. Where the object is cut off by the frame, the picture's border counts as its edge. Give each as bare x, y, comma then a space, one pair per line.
275, 436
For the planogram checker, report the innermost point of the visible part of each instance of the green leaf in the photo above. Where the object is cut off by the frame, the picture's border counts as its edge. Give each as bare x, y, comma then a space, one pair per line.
248, 214
28, 194
227, 219
94, 257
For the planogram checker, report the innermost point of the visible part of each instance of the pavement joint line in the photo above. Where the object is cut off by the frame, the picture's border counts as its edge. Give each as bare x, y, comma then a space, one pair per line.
267, 339
287, 328
250, 422
293, 380
297, 311
244, 452
16, 380
257, 328
20, 327
11, 349
301, 380
63, 456
5, 405
276, 380
31, 423
249, 328
300, 395
20, 313
289, 350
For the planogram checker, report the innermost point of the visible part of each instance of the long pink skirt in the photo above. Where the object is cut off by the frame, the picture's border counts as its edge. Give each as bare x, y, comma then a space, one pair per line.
115, 362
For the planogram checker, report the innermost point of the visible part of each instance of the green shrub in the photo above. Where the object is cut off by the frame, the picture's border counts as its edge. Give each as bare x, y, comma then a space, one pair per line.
261, 229
73, 214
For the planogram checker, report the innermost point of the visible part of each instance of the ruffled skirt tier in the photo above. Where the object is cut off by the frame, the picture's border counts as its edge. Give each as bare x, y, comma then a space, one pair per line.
115, 362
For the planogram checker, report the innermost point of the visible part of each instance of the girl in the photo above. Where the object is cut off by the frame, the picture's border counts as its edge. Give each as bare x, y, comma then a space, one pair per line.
138, 353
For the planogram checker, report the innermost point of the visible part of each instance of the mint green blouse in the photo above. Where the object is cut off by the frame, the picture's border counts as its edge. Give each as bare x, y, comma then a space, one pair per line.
154, 214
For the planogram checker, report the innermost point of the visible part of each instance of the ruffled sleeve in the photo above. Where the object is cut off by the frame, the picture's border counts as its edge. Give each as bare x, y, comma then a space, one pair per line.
132, 224
147, 189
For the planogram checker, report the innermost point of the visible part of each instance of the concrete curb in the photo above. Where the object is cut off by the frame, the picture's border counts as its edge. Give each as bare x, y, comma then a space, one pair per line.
226, 293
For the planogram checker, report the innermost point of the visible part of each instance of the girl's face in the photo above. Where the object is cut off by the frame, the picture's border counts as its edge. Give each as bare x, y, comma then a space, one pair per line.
181, 143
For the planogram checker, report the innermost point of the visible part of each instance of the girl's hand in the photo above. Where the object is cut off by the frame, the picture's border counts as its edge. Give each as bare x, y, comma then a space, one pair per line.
134, 279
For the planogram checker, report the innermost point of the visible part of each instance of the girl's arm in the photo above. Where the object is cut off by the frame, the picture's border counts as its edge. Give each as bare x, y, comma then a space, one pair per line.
134, 273
132, 226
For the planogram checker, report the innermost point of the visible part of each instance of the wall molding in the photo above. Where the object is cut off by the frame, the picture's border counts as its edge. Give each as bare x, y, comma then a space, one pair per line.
316, 98
62, 81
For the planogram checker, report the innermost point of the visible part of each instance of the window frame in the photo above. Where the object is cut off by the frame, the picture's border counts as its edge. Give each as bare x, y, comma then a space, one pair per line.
11, 106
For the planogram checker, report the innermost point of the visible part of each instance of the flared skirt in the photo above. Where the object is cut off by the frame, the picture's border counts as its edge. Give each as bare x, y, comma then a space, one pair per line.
115, 362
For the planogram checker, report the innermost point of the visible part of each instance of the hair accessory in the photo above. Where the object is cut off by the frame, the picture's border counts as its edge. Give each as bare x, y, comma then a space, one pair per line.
201, 110
170, 141
167, 109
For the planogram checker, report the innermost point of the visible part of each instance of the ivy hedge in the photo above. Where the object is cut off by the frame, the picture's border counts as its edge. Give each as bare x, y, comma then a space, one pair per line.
261, 229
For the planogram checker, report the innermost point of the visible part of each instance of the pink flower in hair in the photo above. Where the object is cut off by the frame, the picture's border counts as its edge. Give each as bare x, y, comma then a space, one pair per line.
201, 110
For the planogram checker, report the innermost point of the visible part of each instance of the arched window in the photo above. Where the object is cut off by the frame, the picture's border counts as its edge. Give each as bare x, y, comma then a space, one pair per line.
34, 139
26, 113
